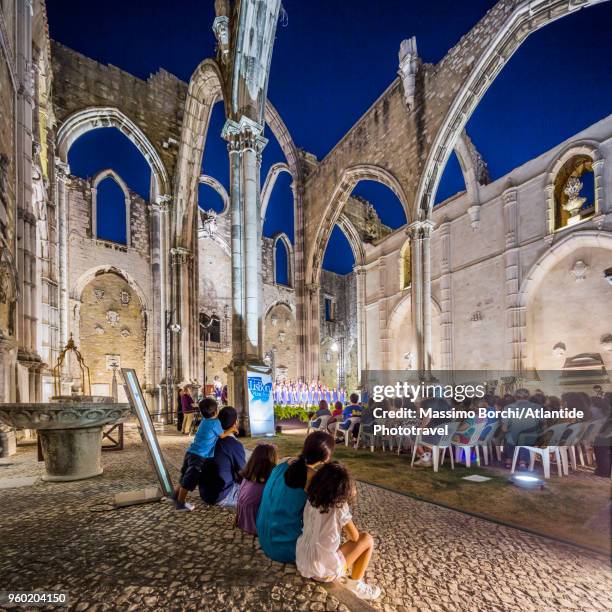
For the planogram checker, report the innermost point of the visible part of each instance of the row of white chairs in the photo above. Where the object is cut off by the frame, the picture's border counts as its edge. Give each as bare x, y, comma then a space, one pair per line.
567, 443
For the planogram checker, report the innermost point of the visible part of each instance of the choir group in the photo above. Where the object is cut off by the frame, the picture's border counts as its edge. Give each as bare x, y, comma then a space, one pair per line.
303, 394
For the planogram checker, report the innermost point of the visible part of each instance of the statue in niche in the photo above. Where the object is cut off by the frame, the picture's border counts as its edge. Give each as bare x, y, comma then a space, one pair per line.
125, 298
8, 295
409, 359
575, 201
209, 223
99, 293
39, 185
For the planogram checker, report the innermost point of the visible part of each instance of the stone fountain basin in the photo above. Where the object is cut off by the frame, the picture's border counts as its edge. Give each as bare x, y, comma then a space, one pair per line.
70, 433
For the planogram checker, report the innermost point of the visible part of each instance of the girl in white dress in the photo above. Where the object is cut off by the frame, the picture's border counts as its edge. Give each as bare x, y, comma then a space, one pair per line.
320, 553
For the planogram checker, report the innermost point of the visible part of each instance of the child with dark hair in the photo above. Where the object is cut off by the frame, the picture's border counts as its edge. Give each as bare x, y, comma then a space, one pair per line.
254, 477
319, 552
201, 449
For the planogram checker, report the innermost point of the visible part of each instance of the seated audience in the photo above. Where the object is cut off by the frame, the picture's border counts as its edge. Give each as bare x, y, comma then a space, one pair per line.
220, 476
201, 449
321, 412
254, 477
352, 411
520, 432
320, 553
280, 517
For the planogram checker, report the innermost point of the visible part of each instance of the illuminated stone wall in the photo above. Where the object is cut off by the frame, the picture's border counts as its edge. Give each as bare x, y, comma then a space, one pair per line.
111, 323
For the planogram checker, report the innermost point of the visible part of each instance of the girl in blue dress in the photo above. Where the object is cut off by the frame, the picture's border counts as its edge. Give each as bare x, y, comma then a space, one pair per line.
280, 517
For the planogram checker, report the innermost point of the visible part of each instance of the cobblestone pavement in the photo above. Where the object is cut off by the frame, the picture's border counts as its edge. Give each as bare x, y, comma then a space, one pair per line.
151, 557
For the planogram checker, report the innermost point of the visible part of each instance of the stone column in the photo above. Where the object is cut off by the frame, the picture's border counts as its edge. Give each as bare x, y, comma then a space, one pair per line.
362, 351
383, 321
245, 144
180, 338
446, 297
603, 204
420, 234
312, 308
62, 172
159, 274
514, 312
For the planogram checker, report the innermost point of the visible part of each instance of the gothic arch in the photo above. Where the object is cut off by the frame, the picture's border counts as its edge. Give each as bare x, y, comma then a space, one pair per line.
213, 183
92, 118
205, 89
275, 171
353, 237
284, 239
88, 276
557, 252
527, 17
349, 179
98, 178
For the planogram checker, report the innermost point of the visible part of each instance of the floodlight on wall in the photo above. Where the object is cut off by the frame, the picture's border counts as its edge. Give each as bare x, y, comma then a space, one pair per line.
608, 275
334, 347
175, 328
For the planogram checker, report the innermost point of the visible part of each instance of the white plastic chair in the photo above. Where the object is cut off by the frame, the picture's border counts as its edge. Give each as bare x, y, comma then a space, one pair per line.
347, 432
544, 452
571, 438
485, 441
438, 449
366, 435
322, 426
471, 443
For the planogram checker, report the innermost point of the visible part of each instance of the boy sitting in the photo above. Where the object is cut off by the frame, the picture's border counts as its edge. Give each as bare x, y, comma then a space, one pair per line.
201, 449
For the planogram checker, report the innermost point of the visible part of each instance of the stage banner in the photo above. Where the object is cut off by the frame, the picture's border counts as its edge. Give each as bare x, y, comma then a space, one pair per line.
261, 403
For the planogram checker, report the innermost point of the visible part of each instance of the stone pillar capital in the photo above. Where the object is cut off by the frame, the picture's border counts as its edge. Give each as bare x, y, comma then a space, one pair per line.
510, 196
62, 170
180, 255
244, 135
162, 203
420, 229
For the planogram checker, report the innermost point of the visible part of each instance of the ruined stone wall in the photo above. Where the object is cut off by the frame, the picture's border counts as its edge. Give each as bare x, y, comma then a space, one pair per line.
343, 289
489, 251
111, 328
280, 337
88, 256
156, 105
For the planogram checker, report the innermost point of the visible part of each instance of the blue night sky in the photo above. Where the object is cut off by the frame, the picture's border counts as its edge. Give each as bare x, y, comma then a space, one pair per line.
331, 61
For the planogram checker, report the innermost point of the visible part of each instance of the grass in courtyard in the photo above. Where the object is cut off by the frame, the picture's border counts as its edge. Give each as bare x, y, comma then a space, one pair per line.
561, 510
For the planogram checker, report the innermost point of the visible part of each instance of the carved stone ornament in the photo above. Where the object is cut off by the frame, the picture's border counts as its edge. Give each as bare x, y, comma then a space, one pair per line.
99, 293
125, 298
281, 337
125, 332
274, 320
99, 330
579, 271
209, 223
559, 349
476, 318
409, 358
112, 317
113, 362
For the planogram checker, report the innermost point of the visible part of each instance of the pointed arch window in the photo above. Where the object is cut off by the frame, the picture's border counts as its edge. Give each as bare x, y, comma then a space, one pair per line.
110, 208
283, 260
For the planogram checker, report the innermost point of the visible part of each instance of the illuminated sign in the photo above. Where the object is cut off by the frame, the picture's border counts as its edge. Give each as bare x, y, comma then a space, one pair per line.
147, 431
261, 403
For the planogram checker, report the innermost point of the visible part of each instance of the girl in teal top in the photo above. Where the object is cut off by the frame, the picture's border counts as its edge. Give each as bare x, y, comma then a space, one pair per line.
279, 520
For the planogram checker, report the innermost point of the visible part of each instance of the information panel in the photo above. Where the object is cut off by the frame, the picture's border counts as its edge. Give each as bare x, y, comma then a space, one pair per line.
147, 431
261, 403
